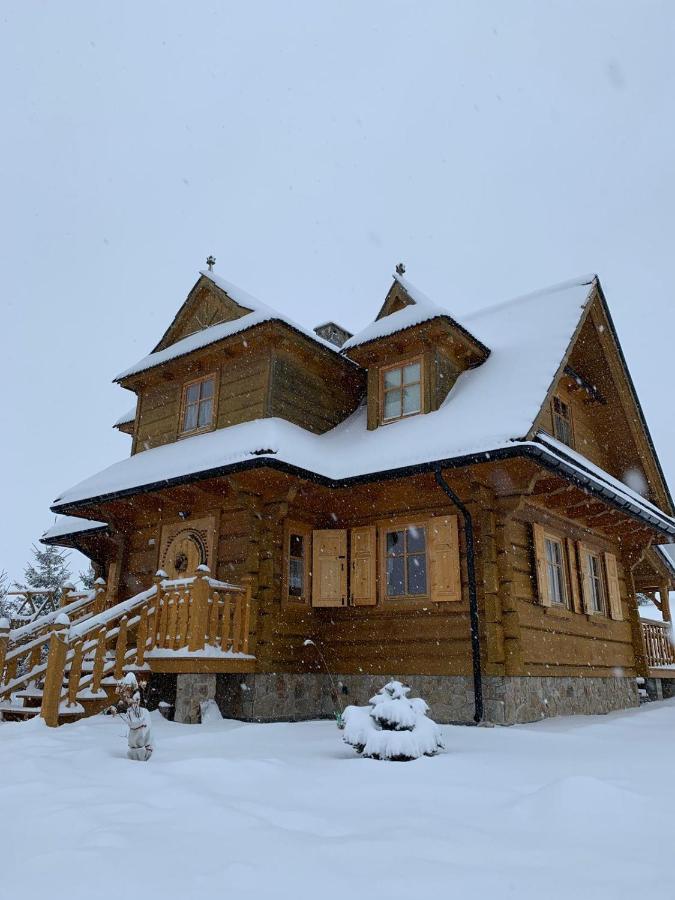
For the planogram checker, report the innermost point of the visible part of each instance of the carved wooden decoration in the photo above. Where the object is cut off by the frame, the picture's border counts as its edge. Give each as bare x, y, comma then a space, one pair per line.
186, 545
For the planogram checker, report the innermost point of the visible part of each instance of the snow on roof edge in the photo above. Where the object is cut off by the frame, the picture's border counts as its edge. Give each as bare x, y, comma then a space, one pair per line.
67, 525
128, 416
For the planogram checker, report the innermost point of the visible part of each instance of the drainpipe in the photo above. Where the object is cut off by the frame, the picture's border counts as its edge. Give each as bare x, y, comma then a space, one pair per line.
473, 594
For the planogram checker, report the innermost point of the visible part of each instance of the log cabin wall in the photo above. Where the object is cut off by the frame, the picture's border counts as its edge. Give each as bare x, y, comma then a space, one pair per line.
241, 396
555, 640
519, 635
305, 392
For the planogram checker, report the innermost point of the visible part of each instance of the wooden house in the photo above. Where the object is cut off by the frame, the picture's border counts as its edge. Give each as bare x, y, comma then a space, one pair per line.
471, 506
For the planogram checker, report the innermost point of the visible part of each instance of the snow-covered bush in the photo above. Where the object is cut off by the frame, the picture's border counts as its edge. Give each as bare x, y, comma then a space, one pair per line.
392, 726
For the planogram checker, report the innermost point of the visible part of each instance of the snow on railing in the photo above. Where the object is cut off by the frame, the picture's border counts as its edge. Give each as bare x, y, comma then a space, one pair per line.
78, 604
189, 614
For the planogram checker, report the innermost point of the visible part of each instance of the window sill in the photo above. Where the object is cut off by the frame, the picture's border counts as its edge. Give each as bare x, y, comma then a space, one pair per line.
188, 434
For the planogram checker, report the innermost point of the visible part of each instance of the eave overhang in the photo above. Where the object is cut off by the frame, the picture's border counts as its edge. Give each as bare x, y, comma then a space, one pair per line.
529, 450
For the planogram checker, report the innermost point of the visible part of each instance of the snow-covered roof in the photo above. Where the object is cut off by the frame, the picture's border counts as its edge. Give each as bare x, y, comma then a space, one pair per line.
421, 310
491, 408
128, 416
260, 313
67, 525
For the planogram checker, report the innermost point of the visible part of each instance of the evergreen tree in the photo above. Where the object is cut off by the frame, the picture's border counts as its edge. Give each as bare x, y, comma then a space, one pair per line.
88, 577
48, 571
5, 602
393, 726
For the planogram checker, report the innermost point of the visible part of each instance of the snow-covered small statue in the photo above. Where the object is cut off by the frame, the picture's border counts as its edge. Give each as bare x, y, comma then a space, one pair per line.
136, 716
392, 726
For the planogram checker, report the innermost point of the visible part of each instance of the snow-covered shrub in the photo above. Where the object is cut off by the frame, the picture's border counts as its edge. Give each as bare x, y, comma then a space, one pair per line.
392, 726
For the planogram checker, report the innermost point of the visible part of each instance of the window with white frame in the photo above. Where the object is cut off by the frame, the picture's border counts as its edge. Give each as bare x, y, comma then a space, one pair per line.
596, 583
555, 570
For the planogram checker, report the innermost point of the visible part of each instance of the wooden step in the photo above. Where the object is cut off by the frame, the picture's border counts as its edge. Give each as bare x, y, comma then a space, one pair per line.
11, 713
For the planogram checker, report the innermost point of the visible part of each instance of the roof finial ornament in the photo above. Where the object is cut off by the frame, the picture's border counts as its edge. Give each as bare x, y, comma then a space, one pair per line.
400, 269
210, 262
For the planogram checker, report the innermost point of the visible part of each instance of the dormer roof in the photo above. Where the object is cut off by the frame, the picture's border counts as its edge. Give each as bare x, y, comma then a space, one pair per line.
247, 312
406, 307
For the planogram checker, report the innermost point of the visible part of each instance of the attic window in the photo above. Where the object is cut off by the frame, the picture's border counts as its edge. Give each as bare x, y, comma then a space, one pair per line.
401, 391
198, 405
562, 422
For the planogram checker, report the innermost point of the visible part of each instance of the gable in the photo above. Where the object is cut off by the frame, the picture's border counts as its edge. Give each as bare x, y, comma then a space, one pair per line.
607, 420
397, 299
206, 305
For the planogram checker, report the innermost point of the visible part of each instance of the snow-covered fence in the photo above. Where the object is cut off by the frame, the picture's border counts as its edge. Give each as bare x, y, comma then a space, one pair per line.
658, 643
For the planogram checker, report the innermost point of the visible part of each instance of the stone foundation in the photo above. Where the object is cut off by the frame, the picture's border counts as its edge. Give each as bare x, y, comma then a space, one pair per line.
191, 690
265, 697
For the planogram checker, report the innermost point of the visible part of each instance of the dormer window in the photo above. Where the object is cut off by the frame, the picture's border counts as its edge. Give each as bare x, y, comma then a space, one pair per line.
401, 390
198, 405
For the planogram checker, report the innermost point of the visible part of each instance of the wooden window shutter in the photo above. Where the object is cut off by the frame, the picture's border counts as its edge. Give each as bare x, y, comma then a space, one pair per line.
613, 589
573, 575
329, 570
364, 566
586, 590
540, 563
445, 572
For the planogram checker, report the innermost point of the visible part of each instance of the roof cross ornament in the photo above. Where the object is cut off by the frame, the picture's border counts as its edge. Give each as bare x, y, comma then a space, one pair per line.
210, 262
400, 269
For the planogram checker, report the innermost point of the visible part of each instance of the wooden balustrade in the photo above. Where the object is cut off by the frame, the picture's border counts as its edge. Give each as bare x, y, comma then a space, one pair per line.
199, 612
658, 643
185, 616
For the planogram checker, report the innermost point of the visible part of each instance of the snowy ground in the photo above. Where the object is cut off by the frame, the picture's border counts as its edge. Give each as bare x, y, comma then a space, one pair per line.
568, 808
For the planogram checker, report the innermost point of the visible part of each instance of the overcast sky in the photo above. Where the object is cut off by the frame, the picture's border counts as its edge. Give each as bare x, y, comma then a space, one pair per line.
495, 147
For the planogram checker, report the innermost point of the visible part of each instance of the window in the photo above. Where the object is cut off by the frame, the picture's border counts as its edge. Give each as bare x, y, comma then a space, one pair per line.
406, 561
401, 391
555, 570
596, 583
297, 557
562, 422
297, 553
198, 405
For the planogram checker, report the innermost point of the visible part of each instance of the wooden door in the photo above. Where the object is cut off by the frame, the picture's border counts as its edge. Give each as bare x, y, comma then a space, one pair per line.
183, 557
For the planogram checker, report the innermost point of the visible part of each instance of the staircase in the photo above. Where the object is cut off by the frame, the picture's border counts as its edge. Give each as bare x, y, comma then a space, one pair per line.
66, 665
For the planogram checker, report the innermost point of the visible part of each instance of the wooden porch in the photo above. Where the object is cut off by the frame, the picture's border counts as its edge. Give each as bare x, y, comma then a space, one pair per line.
66, 665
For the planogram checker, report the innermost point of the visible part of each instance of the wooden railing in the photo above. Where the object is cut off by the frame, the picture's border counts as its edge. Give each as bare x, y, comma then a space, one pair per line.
24, 650
70, 659
658, 643
195, 613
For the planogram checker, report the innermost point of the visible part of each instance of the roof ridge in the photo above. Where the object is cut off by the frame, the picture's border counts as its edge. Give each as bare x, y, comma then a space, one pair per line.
589, 280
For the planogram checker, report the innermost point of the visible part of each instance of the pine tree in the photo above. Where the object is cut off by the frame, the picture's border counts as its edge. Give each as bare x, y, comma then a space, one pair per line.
48, 571
393, 726
5, 603
88, 577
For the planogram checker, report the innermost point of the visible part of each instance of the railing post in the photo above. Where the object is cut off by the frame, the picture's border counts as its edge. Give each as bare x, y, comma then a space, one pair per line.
99, 598
65, 590
246, 612
56, 665
4, 641
199, 609
121, 648
99, 660
75, 673
142, 637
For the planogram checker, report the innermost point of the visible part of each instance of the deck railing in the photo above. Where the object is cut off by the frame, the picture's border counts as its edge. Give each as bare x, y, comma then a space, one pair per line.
71, 659
658, 643
199, 612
